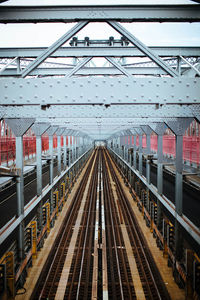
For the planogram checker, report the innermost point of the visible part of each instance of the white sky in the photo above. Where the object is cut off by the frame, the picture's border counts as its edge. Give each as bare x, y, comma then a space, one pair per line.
163, 34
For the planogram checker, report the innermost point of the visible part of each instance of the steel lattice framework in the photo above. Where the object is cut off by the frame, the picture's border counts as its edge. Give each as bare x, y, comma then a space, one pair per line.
135, 84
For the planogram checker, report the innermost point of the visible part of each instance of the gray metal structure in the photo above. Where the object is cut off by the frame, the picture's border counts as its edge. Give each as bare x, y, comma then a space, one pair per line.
122, 97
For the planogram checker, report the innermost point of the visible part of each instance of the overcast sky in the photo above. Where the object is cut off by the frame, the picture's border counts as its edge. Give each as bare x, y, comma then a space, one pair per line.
164, 34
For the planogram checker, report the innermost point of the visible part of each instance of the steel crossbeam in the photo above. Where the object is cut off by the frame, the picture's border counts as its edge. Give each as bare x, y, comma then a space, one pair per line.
71, 112
105, 91
100, 51
91, 71
122, 13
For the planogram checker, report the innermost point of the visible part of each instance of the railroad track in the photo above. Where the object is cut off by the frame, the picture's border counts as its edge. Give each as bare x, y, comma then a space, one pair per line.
46, 286
91, 255
152, 283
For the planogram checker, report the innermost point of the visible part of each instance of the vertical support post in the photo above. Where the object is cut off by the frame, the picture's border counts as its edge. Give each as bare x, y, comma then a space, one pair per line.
140, 154
39, 178
160, 180
65, 152
51, 159
178, 126
179, 175
20, 194
59, 154
69, 152
134, 153
159, 128
39, 164
59, 132
19, 127
179, 195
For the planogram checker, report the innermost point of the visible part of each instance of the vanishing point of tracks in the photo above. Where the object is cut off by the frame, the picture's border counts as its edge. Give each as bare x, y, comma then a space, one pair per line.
90, 251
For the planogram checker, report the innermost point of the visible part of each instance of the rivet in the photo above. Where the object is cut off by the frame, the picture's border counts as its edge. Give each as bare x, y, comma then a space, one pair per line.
195, 81
89, 81
157, 96
81, 85
6, 97
127, 84
96, 85
6, 86
73, 81
28, 101
172, 96
21, 97
28, 82
36, 85
43, 101
58, 81
13, 82
127, 96
149, 81
172, 85
187, 96
50, 96
51, 85
73, 100
142, 96
66, 96
21, 85
36, 96
13, 101
96, 96
66, 85
112, 84
157, 84
180, 81
142, 84
43, 82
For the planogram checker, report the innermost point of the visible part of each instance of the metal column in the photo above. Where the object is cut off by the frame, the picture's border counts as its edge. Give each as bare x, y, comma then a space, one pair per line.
19, 127
159, 128
178, 126
51, 131
59, 132
39, 129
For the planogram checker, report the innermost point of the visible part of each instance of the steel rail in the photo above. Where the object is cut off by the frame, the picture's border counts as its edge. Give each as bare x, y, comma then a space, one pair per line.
64, 235
136, 238
90, 222
71, 291
123, 254
107, 197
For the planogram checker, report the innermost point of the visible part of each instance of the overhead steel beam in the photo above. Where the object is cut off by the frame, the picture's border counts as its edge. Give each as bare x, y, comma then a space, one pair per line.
99, 51
71, 112
122, 13
46, 53
143, 48
85, 71
99, 91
